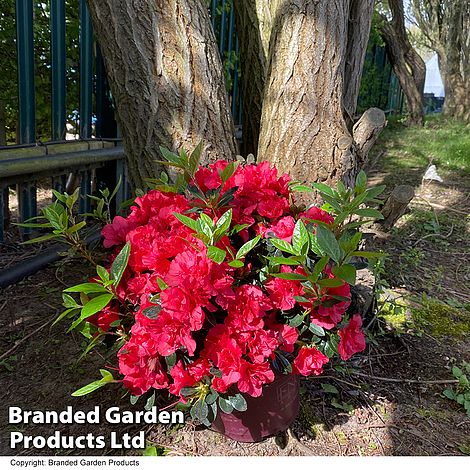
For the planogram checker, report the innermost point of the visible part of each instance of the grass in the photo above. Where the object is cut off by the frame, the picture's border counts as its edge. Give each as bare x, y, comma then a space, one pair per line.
429, 247
445, 142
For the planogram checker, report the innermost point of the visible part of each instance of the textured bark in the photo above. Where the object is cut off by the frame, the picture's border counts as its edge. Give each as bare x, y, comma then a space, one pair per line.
359, 22
254, 25
166, 77
311, 88
408, 66
396, 204
446, 26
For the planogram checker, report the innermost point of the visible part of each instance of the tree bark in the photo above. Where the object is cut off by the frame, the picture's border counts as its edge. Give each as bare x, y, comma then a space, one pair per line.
446, 26
316, 56
254, 19
408, 66
166, 77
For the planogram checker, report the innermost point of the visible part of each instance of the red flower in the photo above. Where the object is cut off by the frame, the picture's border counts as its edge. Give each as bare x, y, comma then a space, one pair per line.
352, 338
315, 213
189, 375
282, 291
309, 361
116, 232
253, 377
283, 229
105, 317
140, 363
248, 309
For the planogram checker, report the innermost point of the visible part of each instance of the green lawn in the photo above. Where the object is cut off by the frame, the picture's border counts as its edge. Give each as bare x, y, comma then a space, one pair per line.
445, 142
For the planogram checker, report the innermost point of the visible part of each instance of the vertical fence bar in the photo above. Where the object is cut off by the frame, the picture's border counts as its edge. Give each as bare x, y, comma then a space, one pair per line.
3, 211
85, 189
222, 31
213, 12
86, 71
26, 192
58, 68
25, 50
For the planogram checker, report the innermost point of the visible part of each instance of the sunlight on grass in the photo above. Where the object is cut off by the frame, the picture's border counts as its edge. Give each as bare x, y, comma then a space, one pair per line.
446, 142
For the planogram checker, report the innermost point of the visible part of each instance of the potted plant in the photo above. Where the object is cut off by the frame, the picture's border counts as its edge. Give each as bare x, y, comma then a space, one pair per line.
222, 290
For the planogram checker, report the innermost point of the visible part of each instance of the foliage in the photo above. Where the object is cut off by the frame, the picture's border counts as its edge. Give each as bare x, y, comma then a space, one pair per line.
219, 280
42, 55
375, 81
461, 392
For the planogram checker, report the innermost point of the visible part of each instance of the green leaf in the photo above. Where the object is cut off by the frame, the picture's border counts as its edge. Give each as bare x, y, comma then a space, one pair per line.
40, 239
301, 188
107, 376
316, 329
238, 402
224, 222
162, 284
134, 399
95, 305
283, 245
228, 171
64, 314
328, 388
102, 273
236, 263
372, 193
319, 267
346, 272
361, 182
150, 402
120, 263
448, 393
296, 321
216, 254
69, 301
328, 242
247, 247
76, 227
323, 188
211, 397
225, 405
171, 157
277, 260
200, 410
290, 276
300, 236
330, 282
188, 391
152, 312
87, 288
194, 159
91, 387
374, 213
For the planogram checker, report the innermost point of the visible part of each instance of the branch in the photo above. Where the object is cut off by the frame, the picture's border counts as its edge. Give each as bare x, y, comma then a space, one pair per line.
366, 131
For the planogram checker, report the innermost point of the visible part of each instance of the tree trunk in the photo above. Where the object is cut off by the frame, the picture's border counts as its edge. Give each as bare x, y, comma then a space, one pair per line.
254, 25
408, 66
316, 56
446, 26
166, 77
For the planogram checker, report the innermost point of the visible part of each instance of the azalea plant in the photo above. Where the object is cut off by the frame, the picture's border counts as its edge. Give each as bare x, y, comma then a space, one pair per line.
220, 280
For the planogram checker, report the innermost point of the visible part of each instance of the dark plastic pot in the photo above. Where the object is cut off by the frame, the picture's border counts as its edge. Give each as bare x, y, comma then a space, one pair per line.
274, 411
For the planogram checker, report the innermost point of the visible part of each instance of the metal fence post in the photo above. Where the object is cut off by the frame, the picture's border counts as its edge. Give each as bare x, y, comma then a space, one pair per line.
58, 68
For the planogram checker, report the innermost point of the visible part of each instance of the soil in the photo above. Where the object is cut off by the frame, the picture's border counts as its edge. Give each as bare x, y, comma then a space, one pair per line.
387, 402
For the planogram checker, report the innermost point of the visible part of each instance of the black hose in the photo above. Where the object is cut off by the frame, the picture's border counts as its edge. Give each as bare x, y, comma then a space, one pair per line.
35, 263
